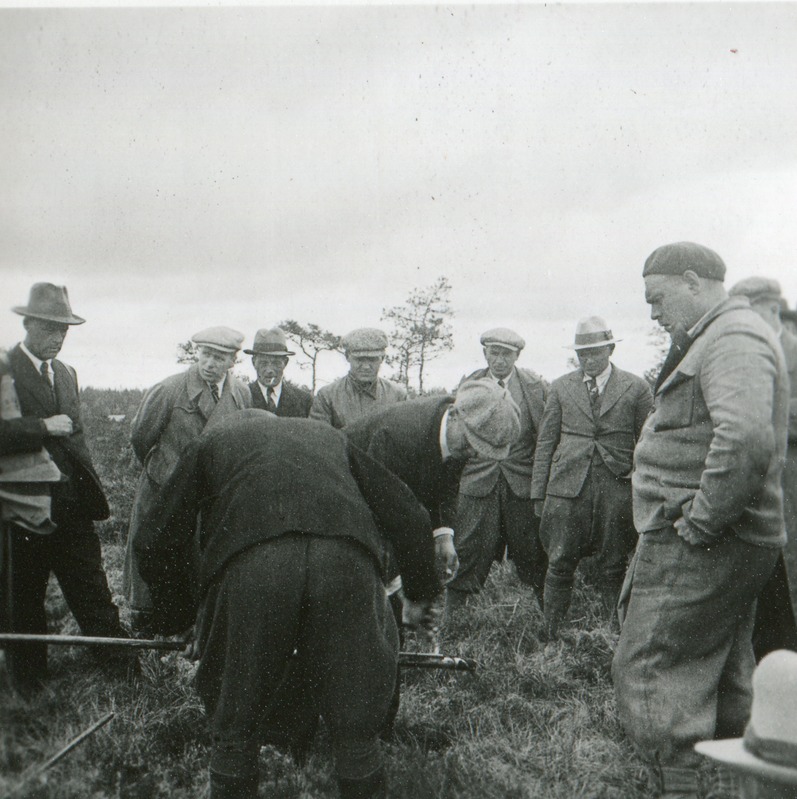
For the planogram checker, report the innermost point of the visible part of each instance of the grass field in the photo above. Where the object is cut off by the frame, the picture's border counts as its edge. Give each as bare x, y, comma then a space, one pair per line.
536, 721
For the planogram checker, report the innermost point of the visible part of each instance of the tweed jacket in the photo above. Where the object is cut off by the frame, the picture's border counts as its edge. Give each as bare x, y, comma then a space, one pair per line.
294, 401
81, 493
712, 451
254, 477
344, 401
405, 438
570, 434
789, 343
175, 412
480, 475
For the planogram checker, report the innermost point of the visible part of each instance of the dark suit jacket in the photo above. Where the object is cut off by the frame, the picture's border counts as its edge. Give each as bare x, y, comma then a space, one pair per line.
294, 401
254, 477
81, 493
405, 438
569, 432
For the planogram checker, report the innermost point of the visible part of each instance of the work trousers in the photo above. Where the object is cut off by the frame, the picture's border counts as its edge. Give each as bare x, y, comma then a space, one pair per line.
596, 522
311, 610
683, 667
486, 526
73, 553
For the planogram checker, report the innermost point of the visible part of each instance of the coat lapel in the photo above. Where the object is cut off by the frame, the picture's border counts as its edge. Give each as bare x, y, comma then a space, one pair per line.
199, 393
533, 396
578, 391
617, 385
35, 397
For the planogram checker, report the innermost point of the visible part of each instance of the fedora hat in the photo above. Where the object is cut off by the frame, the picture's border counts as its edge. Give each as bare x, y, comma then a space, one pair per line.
769, 746
592, 332
49, 302
270, 342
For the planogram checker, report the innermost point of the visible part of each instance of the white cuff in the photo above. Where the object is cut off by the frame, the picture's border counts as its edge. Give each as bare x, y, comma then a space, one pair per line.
443, 531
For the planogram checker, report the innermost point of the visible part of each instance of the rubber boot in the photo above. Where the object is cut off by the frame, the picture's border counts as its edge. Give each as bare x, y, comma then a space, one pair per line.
374, 786
227, 786
557, 603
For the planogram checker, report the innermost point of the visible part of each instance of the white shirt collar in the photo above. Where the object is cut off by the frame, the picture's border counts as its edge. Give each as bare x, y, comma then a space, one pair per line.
220, 384
505, 380
276, 389
37, 362
602, 379
444, 450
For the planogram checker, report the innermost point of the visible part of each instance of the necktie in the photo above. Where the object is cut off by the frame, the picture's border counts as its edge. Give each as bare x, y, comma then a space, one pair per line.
502, 384
214, 392
272, 405
594, 394
46, 374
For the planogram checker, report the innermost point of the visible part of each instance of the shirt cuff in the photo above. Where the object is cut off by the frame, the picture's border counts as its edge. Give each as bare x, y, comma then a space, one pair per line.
443, 531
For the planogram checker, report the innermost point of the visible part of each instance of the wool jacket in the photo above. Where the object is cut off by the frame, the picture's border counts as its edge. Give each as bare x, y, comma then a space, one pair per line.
294, 401
343, 402
254, 477
571, 433
712, 451
480, 475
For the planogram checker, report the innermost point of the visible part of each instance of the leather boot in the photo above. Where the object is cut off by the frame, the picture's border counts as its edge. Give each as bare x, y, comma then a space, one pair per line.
374, 786
227, 786
557, 603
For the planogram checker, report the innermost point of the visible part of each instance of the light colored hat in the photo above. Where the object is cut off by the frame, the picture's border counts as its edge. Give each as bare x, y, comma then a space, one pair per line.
502, 337
489, 416
757, 288
769, 746
592, 332
675, 259
49, 302
224, 339
270, 342
365, 341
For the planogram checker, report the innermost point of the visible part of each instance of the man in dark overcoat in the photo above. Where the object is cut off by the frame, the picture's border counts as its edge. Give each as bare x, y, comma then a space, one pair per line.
581, 483
270, 391
495, 514
49, 402
172, 414
289, 580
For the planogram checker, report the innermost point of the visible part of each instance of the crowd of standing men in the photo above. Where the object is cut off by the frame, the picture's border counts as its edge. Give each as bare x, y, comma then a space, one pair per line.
299, 534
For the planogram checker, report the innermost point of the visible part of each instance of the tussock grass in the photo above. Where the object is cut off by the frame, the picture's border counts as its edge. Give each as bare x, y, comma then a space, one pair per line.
536, 721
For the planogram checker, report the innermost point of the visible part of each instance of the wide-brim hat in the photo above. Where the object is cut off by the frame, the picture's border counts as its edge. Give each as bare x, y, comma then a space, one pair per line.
270, 341
769, 746
50, 303
592, 332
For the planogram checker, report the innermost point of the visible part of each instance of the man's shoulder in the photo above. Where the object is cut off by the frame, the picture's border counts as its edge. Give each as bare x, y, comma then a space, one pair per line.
630, 378
290, 388
393, 388
530, 377
567, 379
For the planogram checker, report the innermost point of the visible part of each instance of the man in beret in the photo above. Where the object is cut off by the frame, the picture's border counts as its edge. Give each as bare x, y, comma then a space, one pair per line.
57, 535
270, 392
581, 484
494, 512
361, 391
775, 618
708, 509
172, 414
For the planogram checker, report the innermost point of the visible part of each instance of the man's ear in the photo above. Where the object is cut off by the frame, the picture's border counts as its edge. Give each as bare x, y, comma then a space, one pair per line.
692, 280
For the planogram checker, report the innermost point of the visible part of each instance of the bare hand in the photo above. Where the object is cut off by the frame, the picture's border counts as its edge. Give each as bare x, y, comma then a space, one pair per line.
689, 533
420, 616
446, 559
60, 425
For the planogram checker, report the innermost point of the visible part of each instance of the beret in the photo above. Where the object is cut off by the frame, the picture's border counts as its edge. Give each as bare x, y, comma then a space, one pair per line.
675, 259
365, 341
503, 337
757, 288
224, 339
490, 417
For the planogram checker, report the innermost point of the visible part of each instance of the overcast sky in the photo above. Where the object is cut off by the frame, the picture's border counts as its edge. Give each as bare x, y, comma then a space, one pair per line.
180, 168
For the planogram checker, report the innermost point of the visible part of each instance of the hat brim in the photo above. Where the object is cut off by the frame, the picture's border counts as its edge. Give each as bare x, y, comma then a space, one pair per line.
269, 352
592, 346
217, 347
366, 353
731, 752
63, 320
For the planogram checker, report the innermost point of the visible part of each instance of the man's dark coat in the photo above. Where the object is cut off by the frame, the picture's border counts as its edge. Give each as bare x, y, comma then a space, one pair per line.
405, 438
294, 401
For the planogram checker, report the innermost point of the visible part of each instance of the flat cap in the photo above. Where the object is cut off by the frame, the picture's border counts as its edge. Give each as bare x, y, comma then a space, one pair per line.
675, 259
365, 341
757, 288
503, 337
270, 342
490, 417
224, 339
